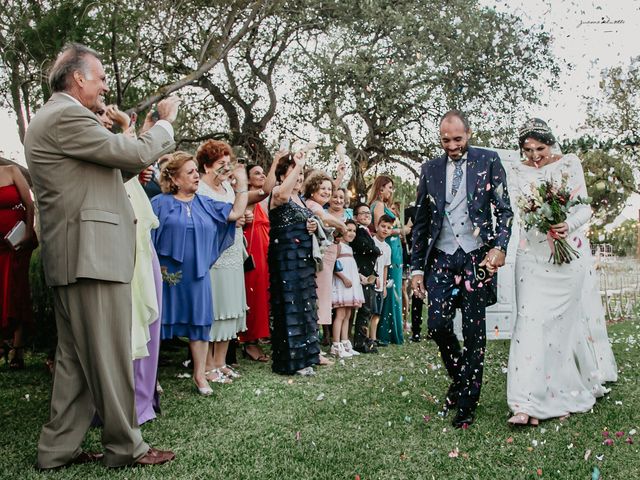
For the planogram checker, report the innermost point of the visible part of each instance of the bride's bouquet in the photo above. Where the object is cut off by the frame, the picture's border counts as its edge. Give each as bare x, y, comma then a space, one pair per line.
548, 204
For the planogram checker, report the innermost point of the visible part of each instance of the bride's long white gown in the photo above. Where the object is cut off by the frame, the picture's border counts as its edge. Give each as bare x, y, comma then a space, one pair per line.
560, 355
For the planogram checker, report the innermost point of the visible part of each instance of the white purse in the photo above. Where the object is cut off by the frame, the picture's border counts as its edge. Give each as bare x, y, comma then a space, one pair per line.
16, 234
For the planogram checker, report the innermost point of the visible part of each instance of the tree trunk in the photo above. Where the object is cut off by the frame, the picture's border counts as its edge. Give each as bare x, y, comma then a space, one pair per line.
16, 99
257, 151
359, 166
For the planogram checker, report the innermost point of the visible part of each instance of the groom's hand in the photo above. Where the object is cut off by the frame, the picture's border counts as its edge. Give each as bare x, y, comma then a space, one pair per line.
493, 260
417, 285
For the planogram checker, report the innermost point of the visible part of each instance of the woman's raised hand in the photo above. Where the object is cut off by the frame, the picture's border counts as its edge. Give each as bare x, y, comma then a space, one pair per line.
299, 158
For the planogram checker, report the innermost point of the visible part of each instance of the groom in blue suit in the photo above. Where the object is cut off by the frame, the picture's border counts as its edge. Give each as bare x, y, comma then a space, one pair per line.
456, 250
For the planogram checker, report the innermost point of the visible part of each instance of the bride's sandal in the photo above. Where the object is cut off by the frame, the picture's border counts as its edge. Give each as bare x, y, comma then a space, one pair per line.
534, 422
519, 419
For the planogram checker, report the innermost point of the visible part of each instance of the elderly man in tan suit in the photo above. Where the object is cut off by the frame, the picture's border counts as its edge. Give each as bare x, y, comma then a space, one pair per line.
88, 245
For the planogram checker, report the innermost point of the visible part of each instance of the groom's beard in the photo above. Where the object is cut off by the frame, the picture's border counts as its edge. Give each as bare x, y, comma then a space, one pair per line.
457, 153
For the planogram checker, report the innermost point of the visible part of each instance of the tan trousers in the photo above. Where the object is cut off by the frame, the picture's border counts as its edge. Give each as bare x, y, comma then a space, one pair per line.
93, 372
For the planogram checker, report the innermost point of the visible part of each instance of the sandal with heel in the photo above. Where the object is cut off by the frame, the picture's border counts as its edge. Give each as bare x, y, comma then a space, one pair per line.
259, 358
219, 377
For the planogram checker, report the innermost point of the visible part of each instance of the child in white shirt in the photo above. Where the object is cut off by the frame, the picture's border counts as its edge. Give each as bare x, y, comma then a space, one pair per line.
385, 225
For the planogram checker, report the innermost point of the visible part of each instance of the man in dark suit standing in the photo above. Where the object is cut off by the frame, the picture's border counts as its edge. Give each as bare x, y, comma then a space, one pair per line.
456, 251
417, 303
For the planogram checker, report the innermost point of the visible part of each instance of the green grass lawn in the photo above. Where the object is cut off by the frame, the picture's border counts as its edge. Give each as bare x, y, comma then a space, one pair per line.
373, 417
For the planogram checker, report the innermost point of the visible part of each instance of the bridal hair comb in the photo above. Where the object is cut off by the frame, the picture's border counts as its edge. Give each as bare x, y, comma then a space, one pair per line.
534, 125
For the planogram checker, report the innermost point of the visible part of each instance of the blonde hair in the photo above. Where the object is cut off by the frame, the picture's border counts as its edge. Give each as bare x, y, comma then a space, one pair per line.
170, 169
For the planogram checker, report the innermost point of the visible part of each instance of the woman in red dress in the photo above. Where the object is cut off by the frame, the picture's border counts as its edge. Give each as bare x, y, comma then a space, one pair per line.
15, 296
256, 233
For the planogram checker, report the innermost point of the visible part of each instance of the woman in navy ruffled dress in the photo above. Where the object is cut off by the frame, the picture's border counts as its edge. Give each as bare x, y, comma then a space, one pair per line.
292, 274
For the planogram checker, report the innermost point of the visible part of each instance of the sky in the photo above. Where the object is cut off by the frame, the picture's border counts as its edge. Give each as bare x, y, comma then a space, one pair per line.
588, 36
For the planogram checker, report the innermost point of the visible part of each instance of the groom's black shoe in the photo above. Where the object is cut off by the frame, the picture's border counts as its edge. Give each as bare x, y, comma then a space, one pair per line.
448, 407
450, 401
464, 416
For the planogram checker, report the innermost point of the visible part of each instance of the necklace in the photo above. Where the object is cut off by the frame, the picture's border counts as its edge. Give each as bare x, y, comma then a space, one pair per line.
187, 204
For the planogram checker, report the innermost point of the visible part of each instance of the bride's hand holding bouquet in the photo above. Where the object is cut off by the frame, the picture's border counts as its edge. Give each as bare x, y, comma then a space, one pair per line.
546, 208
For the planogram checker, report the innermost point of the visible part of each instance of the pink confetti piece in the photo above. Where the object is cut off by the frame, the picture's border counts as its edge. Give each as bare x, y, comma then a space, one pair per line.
488, 187
619, 434
457, 279
454, 453
608, 442
467, 285
629, 440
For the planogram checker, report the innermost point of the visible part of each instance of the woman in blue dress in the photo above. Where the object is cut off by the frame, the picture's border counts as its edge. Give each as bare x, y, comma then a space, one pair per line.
194, 230
390, 326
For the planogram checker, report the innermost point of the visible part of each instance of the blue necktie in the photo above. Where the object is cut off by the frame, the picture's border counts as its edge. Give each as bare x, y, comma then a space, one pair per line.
457, 177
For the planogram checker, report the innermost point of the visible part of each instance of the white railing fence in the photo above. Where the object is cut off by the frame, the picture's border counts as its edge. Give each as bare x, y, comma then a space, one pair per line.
619, 286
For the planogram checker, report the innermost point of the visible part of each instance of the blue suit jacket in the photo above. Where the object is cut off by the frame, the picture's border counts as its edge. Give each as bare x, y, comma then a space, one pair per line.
486, 188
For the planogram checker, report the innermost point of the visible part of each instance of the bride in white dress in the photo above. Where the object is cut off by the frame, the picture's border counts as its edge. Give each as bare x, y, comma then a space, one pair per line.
560, 355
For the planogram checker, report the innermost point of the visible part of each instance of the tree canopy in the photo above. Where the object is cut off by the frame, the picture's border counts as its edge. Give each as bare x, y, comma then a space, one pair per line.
373, 74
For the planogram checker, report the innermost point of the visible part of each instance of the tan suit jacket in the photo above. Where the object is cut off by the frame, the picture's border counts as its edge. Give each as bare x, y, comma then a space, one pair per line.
87, 223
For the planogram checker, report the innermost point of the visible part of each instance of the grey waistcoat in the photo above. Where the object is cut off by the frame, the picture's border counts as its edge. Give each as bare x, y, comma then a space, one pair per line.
457, 229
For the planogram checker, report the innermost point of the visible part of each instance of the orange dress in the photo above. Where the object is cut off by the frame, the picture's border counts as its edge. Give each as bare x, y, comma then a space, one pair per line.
257, 281
15, 295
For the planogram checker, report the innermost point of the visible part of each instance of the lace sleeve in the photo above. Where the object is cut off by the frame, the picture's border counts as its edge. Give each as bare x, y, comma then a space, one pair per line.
579, 214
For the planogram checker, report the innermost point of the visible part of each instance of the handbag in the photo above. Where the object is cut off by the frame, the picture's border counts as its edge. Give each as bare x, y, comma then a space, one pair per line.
249, 263
16, 234
338, 267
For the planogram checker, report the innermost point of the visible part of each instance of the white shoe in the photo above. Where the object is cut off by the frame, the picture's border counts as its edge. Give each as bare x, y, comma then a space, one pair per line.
306, 372
349, 348
338, 350
344, 353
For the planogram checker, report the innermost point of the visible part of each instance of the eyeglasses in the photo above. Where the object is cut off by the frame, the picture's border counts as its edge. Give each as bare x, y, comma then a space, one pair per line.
363, 213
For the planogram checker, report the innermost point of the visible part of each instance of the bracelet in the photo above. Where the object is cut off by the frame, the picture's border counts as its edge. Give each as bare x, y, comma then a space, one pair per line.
242, 191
